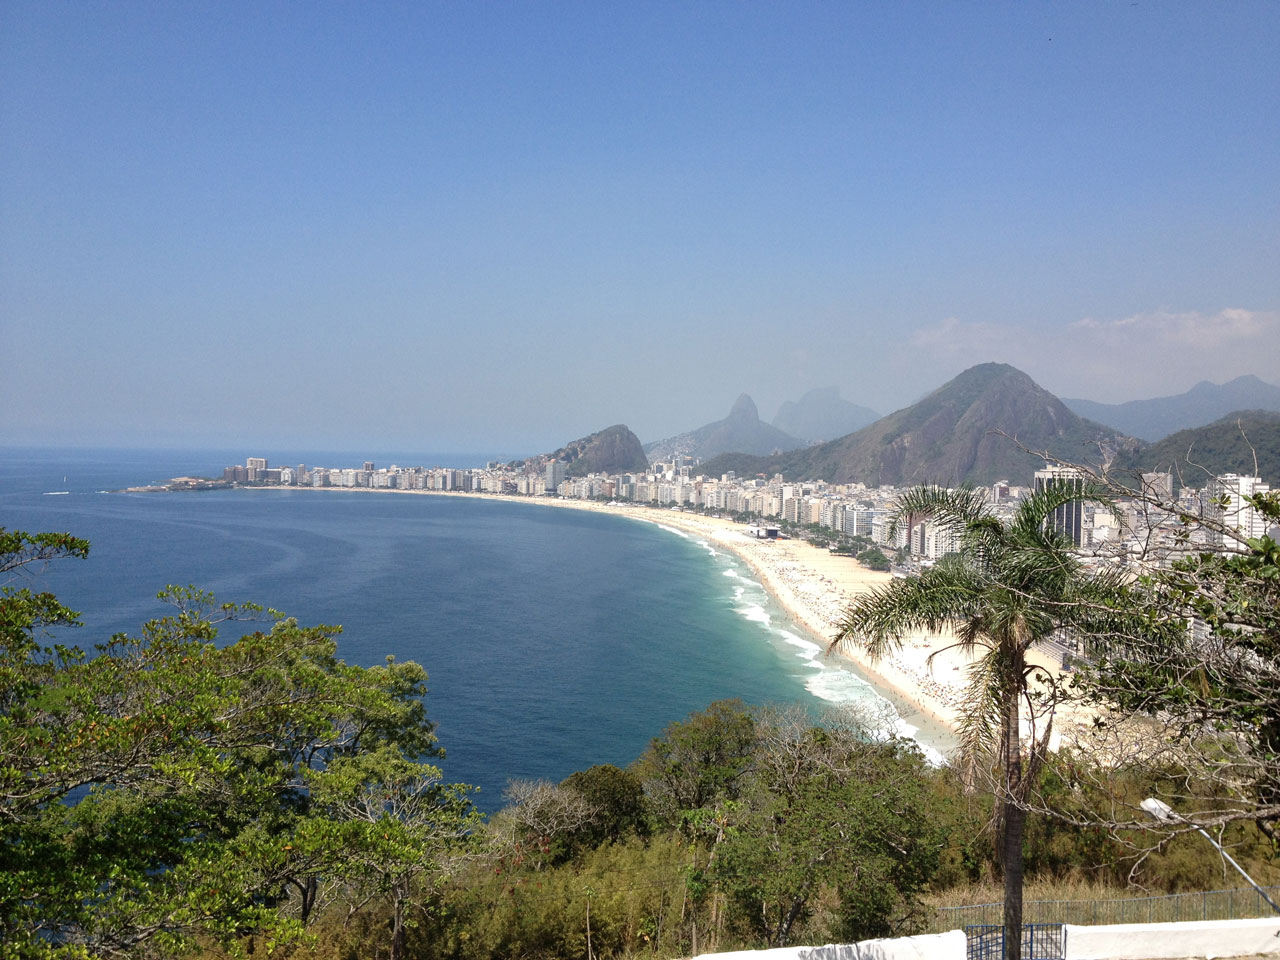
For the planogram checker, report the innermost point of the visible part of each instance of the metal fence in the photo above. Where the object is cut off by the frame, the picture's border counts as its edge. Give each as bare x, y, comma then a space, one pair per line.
1209, 905
1040, 941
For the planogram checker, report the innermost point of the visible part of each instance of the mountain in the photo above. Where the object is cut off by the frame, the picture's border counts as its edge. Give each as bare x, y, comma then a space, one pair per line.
1228, 445
1204, 403
822, 414
611, 450
742, 431
949, 437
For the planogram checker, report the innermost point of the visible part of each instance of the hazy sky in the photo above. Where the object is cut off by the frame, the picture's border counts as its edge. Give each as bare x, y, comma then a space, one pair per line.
472, 226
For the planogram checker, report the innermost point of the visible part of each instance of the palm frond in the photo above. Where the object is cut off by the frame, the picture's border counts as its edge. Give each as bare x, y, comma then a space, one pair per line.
981, 709
956, 509
878, 620
1033, 513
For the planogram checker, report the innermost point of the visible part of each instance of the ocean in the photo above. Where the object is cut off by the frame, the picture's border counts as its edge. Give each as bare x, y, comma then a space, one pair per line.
553, 639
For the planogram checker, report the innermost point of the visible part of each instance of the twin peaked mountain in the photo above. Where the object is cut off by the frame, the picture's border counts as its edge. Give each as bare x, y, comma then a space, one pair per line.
742, 431
987, 424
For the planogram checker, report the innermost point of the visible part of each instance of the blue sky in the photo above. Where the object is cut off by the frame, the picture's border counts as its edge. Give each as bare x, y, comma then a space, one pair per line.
498, 226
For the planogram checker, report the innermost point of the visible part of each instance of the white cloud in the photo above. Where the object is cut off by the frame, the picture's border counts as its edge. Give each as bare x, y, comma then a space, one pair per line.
1143, 355
1211, 330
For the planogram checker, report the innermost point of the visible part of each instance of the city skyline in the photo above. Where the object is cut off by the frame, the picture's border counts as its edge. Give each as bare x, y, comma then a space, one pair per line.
451, 228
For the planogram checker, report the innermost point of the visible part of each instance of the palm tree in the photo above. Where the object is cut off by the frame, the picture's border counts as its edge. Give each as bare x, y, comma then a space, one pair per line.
1008, 585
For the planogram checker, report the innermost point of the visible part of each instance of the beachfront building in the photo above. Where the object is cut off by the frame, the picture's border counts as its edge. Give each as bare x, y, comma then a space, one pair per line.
554, 475
1069, 518
1223, 500
857, 520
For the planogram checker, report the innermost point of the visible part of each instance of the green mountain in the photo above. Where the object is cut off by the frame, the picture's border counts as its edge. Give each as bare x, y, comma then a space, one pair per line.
611, 450
741, 431
1204, 403
822, 415
1228, 445
950, 437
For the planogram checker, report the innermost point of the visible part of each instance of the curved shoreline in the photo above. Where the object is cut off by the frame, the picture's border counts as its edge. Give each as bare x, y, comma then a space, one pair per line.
813, 587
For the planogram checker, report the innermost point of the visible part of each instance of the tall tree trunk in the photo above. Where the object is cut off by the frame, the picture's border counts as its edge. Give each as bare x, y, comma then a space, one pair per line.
788, 920
399, 895
1013, 821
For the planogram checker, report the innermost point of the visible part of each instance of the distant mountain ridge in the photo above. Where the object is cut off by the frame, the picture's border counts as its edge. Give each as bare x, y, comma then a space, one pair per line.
950, 437
1228, 445
742, 431
611, 450
1204, 403
822, 414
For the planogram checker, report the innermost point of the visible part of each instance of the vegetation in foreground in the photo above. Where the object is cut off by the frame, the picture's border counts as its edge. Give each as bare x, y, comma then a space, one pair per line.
167, 795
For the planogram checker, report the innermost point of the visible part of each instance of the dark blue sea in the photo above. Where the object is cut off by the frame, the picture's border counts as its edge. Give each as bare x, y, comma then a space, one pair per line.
554, 639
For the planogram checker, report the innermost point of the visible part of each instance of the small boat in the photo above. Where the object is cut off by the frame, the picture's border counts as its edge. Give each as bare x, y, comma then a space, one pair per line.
56, 493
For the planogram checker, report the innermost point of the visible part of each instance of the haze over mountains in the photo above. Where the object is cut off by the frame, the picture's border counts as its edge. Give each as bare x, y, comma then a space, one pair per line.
950, 437
742, 431
1245, 442
1204, 403
822, 414
991, 422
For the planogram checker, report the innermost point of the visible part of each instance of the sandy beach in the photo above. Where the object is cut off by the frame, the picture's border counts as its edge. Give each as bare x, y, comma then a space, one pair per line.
814, 587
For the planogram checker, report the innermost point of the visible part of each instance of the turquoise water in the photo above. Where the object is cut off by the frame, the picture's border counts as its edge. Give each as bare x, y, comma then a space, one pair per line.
554, 639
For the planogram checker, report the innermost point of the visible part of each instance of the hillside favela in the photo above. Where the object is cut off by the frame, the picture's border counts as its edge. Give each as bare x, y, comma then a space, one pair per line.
615, 481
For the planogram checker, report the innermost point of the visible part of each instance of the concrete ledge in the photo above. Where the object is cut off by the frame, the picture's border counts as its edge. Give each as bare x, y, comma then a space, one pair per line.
1172, 941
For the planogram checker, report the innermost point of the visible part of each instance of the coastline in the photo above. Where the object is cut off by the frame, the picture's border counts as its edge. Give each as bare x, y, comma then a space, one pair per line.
813, 587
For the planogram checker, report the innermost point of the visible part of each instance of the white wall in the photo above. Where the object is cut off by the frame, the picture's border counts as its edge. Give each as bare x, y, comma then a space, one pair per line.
1166, 941
933, 946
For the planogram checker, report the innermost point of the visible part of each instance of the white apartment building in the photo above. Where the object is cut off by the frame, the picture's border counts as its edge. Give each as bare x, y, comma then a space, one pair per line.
1223, 500
937, 541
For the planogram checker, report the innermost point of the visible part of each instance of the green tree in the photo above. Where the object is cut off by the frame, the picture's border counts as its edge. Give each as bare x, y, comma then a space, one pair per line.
699, 761
1206, 700
165, 786
873, 558
395, 822
617, 797
694, 776
1008, 585
833, 813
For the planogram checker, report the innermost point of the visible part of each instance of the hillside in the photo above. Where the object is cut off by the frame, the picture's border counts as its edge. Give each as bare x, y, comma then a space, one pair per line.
822, 415
611, 450
1225, 446
742, 431
1204, 403
952, 436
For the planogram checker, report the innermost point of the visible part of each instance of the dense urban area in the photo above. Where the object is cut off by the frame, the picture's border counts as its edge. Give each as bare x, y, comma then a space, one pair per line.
1125, 527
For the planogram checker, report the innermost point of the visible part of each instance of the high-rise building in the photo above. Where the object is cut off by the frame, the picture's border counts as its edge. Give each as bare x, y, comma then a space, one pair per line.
1158, 486
1068, 519
1223, 501
554, 475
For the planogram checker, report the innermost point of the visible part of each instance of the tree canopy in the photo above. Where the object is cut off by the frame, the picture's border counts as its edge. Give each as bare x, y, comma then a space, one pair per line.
164, 786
